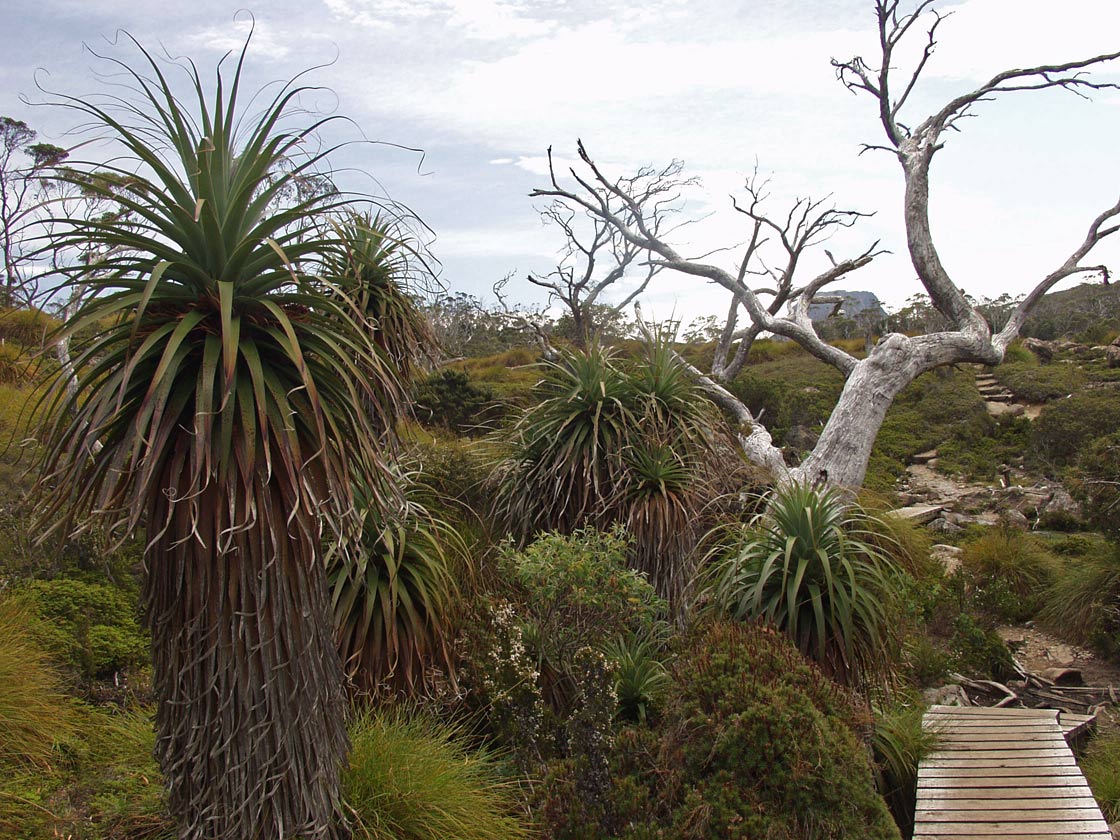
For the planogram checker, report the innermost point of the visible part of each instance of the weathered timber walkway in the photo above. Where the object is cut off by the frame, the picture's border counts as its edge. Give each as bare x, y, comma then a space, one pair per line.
1003, 773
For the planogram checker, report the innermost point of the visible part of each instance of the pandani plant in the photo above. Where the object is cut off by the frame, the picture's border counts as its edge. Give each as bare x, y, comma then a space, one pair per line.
228, 397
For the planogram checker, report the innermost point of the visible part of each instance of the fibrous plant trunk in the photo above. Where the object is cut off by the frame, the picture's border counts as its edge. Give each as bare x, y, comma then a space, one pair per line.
250, 725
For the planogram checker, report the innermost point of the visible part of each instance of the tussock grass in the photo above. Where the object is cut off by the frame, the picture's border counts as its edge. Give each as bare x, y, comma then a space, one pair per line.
34, 715
1101, 766
1010, 571
409, 779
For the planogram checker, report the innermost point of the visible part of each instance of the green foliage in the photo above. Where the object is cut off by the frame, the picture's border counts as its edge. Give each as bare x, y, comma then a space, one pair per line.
811, 566
1008, 570
641, 679
979, 458
1101, 766
754, 743
91, 627
787, 387
978, 651
393, 590
1037, 383
450, 400
410, 778
579, 592
1067, 427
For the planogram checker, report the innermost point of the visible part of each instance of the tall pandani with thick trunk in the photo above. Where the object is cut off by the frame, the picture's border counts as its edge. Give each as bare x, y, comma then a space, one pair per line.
229, 396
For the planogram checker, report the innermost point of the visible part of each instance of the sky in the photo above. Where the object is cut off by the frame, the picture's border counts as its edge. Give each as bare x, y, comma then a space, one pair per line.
452, 105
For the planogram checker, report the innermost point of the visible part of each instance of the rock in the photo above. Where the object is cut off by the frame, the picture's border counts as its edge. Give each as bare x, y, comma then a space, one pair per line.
949, 556
1016, 519
1115, 829
1043, 349
924, 457
1004, 409
1061, 505
918, 514
946, 695
1112, 354
941, 525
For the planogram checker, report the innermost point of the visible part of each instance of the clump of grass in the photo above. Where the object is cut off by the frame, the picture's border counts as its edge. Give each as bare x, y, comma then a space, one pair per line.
1083, 601
34, 715
1009, 571
409, 779
899, 742
1101, 766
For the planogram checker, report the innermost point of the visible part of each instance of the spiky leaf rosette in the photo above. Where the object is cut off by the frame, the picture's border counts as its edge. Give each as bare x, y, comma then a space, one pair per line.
227, 402
811, 566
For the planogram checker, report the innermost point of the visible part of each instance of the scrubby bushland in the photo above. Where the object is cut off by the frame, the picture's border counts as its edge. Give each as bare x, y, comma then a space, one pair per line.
940, 406
1095, 482
411, 778
1067, 427
754, 743
1037, 383
450, 400
812, 566
1101, 765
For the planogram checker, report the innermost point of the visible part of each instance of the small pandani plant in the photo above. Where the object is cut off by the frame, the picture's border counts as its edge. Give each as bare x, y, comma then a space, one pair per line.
812, 566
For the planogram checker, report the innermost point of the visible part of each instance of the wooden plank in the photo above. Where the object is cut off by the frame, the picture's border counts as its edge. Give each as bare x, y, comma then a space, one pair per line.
990, 752
1012, 782
1049, 741
971, 772
928, 795
932, 833
1001, 829
964, 760
993, 712
979, 804
1024, 815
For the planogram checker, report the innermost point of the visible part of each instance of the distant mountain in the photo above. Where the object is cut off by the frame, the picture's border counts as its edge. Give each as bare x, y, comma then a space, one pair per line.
854, 303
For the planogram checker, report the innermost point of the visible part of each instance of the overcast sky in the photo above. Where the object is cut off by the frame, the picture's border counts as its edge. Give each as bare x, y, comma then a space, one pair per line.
483, 87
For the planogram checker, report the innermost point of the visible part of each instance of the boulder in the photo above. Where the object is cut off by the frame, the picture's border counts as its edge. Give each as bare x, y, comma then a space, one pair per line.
948, 556
1015, 519
918, 514
1043, 349
941, 525
1112, 354
1061, 504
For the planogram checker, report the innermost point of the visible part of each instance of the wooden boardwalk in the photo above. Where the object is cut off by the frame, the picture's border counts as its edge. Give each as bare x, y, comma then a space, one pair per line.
1003, 773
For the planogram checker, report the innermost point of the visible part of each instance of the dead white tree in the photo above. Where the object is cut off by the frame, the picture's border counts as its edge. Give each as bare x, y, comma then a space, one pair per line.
871, 384
595, 256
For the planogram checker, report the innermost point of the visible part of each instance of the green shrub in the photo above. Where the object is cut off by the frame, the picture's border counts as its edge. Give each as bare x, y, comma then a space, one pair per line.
811, 565
754, 743
1101, 766
450, 400
1009, 571
978, 651
410, 778
1065, 428
579, 592
91, 627
641, 679
1041, 383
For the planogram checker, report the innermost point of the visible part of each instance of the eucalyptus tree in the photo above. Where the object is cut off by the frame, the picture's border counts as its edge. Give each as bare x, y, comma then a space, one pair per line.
760, 289
229, 396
